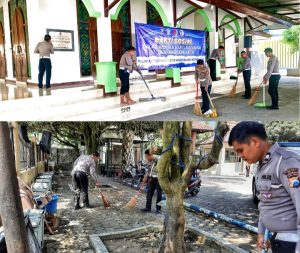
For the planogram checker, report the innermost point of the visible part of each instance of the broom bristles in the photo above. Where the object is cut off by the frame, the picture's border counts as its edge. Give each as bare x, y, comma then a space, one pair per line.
104, 200
253, 99
232, 92
197, 109
132, 203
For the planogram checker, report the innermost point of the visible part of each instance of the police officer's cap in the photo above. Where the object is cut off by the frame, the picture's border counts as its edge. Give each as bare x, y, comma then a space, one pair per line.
268, 49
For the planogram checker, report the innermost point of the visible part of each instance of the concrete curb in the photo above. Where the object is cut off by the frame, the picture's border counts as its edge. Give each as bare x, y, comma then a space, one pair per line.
99, 247
229, 247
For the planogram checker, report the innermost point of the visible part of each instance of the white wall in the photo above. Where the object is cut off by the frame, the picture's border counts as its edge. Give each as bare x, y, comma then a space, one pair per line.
65, 64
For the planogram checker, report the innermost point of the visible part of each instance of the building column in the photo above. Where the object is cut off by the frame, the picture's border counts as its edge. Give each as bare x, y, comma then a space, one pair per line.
138, 14
33, 9
173, 74
106, 67
8, 46
221, 162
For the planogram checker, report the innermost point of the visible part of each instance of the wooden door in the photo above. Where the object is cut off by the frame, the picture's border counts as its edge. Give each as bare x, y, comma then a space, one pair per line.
19, 46
93, 44
2, 53
117, 41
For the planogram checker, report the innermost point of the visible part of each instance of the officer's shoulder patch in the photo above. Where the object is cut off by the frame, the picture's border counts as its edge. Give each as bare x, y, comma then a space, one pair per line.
293, 177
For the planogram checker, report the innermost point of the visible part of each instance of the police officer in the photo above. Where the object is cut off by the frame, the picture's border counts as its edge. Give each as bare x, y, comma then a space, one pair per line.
277, 181
127, 65
44, 49
215, 55
273, 76
84, 165
246, 69
202, 76
153, 183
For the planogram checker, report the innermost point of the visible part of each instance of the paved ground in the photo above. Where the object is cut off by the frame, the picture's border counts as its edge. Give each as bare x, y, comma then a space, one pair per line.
237, 109
72, 235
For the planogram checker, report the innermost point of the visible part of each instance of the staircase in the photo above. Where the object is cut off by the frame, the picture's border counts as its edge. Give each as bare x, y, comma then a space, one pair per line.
88, 103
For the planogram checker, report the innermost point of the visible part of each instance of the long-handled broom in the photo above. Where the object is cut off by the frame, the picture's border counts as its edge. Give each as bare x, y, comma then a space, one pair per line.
253, 99
105, 201
133, 201
197, 108
232, 93
214, 110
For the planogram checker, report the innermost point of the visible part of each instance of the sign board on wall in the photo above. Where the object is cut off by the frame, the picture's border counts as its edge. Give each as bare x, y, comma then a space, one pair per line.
62, 40
168, 47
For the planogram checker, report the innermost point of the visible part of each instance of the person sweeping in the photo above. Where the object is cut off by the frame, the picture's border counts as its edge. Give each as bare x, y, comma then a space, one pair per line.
127, 65
202, 76
273, 76
84, 165
153, 183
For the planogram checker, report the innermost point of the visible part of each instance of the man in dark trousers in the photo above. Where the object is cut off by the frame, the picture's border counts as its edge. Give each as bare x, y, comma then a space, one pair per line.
153, 183
246, 69
127, 65
273, 76
84, 165
215, 55
278, 183
44, 49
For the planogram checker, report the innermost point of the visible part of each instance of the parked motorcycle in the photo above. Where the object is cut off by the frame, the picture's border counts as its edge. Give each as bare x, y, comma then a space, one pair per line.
140, 173
194, 185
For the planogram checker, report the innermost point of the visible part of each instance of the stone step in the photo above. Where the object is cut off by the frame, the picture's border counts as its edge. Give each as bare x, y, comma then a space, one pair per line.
75, 95
90, 105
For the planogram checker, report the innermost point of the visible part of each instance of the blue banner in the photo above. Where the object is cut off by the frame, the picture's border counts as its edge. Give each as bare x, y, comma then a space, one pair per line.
168, 47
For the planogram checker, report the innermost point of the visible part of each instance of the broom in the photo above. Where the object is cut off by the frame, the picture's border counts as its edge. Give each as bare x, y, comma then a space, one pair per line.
214, 110
233, 91
253, 99
197, 109
105, 201
133, 201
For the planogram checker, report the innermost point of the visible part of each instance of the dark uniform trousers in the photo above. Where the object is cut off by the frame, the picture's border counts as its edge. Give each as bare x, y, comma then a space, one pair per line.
44, 65
212, 67
124, 77
80, 184
247, 79
205, 100
273, 89
153, 185
278, 246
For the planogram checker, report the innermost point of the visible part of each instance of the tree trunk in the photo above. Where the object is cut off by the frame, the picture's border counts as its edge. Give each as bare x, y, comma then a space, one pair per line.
173, 238
176, 146
89, 139
127, 145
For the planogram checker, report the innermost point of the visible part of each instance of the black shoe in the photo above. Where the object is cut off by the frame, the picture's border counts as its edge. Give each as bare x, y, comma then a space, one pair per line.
77, 207
158, 211
87, 206
272, 108
146, 210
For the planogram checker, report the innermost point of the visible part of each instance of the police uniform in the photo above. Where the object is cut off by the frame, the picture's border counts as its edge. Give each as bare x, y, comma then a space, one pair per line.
215, 55
273, 76
204, 78
153, 185
44, 49
83, 166
126, 67
278, 181
246, 69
